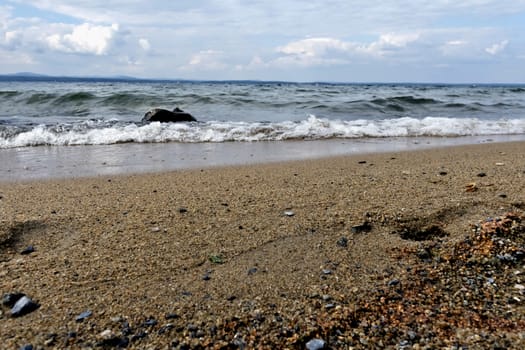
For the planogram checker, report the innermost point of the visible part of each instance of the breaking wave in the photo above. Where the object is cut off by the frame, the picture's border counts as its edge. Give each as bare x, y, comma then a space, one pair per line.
313, 128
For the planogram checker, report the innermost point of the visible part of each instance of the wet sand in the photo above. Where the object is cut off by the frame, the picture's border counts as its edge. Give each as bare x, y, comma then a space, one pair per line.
268, 255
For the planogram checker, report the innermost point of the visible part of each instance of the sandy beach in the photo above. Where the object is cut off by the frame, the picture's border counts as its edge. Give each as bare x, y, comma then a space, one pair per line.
386, 250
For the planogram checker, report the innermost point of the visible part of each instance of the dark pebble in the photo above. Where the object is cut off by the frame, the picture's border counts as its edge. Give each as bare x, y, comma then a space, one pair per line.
171, 316
150, 322
394, 282
126, 329
206, 276
342, 242
231, 298
502, 195
443, 173
10, 299
83, 316
362, 162
482, 174
182, 210
364, 227
115, 342
27, 347
252, 271
165, 329
139, 335
23, 306
424, 254
28, 250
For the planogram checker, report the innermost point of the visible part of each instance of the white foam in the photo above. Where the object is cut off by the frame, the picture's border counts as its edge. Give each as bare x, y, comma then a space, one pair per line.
312, 128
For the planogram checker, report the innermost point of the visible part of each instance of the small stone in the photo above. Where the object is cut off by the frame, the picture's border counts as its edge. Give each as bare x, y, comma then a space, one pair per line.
362, 162
183, 210
28, 250
252, 271
27, 347
289, 213
443, 173
10, 299
502, 195
107, 334
424, 254
482, 174
165, 328
23, 306
393, 282
206, 276
171, 316
364, 227
83, 316
155, 229
150, 322
327, 272
342, 242
329, 306
315, 344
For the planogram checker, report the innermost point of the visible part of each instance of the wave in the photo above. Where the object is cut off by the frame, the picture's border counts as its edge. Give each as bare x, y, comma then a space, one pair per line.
313, 128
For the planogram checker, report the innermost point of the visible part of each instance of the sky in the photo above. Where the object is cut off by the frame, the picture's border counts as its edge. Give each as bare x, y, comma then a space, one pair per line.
442, 41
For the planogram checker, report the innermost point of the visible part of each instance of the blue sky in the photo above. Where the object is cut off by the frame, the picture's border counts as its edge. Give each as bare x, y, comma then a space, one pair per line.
469, 41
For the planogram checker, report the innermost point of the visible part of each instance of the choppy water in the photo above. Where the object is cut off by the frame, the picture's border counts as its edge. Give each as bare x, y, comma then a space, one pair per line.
90, 112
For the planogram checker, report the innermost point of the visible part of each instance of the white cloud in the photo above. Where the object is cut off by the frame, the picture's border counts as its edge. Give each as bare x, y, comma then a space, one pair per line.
144, 44
332, 51
205, 60
497, 48
257, 38
85, 38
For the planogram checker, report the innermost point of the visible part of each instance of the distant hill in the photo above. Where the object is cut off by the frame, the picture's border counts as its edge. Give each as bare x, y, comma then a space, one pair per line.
30, 76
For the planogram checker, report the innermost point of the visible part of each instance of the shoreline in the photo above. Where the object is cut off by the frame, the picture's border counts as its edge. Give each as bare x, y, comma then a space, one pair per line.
354, 250
61, 162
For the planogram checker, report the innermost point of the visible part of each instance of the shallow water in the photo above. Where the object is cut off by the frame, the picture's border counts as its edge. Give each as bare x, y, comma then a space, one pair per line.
52, 162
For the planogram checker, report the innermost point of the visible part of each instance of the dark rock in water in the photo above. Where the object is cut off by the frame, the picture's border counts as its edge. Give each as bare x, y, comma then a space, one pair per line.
23, 306
83, 316
10, 299
165, 116
28, 250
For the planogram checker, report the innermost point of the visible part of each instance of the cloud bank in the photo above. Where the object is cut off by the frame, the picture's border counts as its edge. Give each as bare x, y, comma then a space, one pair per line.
472, 40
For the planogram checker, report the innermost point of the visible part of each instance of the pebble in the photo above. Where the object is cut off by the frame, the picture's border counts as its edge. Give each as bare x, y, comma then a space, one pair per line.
482, 174
393, 282
150, 322
23, 306
252, 271
289, 213
315, 344
364, 227
342, 242
27, 347
28, 250
10, 299
83, 316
